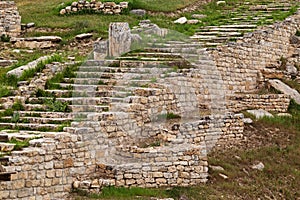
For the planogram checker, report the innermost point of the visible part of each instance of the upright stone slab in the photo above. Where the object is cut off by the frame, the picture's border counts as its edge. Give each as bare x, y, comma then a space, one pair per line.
100, 50
119, 39
10, 20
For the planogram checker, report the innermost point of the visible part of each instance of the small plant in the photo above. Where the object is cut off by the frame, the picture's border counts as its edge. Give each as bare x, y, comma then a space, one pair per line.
283, 62
56, 106
167, 116
43, 93
15, 117
4, 38
18, 106
153, 80
4, 91
19, 145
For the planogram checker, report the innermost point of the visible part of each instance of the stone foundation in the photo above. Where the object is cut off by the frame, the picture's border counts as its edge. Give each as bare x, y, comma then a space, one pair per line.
268, 102
10, 20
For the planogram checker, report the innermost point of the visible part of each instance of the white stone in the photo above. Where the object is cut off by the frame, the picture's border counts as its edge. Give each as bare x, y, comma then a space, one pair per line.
221, 2
247, 120
223, 176
198, 16
260, 113
83, 36
285, 89
260, 166
193, 21
181, 20
216, 168
63, 11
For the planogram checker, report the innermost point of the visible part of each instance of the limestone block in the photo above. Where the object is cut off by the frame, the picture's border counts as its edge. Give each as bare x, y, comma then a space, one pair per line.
119, 39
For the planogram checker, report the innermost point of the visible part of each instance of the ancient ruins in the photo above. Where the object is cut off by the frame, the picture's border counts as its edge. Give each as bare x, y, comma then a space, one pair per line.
144, 118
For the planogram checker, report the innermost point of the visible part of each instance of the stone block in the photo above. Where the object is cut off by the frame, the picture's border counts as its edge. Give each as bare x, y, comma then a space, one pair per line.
119, 39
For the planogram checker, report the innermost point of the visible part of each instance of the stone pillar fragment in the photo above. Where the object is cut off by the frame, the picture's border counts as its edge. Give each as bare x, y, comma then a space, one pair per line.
119, 39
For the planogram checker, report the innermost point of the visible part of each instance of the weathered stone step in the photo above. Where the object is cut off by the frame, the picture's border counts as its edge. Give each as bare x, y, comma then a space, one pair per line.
217, 33
30, 126
213, 37
88, 108
18, 136
6, 147
155, 54
40, 120
219, 29
45, 114
35, 107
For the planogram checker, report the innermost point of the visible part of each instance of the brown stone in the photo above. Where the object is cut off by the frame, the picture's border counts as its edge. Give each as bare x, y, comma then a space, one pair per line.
68, 162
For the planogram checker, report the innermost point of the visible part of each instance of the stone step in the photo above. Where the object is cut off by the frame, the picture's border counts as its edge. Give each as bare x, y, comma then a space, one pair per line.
18, 136
220, 29
6, 147
213, 37
45, 114
35, 107
217, 33
30, 126
88, 108
155, 55
39, 120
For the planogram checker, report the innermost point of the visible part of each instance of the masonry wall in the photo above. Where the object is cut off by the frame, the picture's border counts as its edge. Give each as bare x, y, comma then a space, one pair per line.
10, 20
268, 102
240, 63
48, 170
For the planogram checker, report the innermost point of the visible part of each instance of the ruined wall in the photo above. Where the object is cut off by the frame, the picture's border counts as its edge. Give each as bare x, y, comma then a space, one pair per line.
240, 63
180, 160
10, 20
48, 170
268, 102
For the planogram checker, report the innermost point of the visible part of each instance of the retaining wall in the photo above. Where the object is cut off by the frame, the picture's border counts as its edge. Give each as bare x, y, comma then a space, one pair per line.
10, 20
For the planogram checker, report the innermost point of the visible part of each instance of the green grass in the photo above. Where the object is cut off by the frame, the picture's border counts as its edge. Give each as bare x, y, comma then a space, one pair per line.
68, 72
39, 68
278, 180
123, 193
19, 145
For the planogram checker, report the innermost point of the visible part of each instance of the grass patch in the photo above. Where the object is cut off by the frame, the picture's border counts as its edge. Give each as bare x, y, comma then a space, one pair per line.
123, 193
68, 72
19, 145
166, 116
56, 106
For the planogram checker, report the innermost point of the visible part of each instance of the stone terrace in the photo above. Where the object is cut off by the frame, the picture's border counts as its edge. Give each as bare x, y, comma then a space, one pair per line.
145, 118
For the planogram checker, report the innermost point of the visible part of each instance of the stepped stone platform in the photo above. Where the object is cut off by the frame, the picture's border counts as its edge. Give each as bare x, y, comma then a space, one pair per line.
148, 118
246, 17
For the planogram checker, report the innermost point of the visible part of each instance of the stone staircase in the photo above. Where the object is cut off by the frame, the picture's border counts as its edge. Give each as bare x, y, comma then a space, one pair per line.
243, 17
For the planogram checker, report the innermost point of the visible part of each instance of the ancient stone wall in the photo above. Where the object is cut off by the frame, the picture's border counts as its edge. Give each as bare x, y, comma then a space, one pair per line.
48, 170
268, 102
240, 63
96, 6
10, 20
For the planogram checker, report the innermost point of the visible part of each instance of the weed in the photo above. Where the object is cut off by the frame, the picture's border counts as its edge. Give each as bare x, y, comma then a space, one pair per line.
18, 106
167, 116
5, 91
43, 93
153, 80
4, 38
56, 106
16, 117
19, 145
